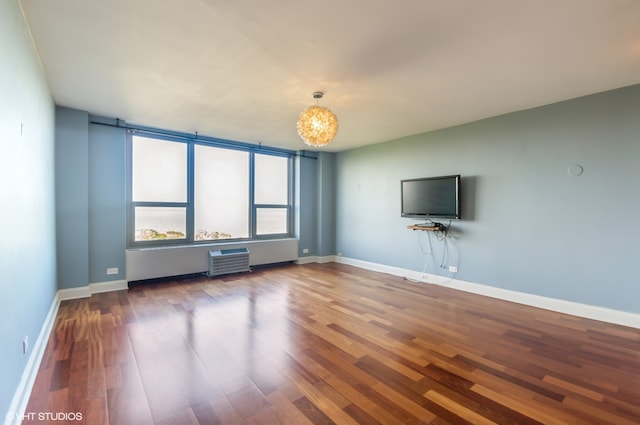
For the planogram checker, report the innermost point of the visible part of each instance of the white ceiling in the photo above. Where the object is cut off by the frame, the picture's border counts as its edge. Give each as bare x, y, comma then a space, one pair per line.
244, 69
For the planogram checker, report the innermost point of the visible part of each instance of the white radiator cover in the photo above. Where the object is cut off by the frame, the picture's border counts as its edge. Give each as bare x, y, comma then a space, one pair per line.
227, 261
151, 263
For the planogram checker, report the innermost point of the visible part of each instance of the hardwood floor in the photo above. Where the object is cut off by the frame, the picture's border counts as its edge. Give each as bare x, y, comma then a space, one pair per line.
329, 343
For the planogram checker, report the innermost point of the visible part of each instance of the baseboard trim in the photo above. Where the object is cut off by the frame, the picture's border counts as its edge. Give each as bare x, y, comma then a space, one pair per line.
114, 285
307, 260
316, 259
553, 304
74, 293
92, 288
23, 392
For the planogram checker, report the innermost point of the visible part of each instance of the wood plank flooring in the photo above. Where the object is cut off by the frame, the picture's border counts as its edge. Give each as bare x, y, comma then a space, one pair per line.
329, 344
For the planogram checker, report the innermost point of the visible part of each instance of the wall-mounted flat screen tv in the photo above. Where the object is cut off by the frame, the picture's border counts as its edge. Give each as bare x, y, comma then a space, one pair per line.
431, 197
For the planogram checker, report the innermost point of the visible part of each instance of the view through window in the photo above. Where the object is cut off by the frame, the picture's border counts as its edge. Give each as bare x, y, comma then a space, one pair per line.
271, 194
221, 193
183, 191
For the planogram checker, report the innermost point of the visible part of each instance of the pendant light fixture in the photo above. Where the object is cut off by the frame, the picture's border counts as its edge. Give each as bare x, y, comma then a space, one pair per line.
317, 125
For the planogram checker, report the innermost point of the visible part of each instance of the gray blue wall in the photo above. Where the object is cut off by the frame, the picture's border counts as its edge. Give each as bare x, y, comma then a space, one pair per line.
27, 244
72, 197
315, 203
90, 199
107, 202
91, 194
326, 201
306, 203
527, 224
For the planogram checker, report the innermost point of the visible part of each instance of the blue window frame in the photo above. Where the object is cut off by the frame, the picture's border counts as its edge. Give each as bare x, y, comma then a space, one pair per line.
185, 190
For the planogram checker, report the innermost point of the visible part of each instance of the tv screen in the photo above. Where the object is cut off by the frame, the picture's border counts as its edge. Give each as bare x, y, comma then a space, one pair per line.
431, 197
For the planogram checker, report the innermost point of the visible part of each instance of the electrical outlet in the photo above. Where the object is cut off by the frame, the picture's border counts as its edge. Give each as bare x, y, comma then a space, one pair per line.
453, 269
305, 251
112, 270
25, 344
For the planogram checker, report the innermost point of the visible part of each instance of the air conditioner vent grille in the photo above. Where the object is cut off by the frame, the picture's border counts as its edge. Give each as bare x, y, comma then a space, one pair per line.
228, 261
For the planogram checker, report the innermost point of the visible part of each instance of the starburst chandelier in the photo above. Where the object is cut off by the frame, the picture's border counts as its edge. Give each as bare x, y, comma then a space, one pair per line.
317, 125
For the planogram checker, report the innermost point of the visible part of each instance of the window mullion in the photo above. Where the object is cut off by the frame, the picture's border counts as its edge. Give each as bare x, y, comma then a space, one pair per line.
290, 197
252, 208
190, 191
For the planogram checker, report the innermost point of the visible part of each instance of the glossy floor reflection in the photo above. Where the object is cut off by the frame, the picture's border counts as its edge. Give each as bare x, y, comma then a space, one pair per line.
329, 343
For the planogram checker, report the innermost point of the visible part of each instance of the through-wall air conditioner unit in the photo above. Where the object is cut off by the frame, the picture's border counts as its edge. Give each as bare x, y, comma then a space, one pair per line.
226, 261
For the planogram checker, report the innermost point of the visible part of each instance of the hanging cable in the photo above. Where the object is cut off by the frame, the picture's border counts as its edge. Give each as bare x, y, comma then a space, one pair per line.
445, 253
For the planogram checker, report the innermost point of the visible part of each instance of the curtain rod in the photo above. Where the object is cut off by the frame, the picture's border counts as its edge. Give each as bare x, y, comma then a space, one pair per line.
196, 136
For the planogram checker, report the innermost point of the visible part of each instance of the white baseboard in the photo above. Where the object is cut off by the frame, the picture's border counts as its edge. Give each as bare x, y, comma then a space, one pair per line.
316, 259
308, 260
90, 289
327, 259
21, 397
23, 392
74, 293
114, 285
561, 306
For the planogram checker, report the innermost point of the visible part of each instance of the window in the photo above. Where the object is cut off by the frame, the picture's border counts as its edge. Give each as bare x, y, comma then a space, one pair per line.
271, 197
191, 191
221, 193
159, 189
